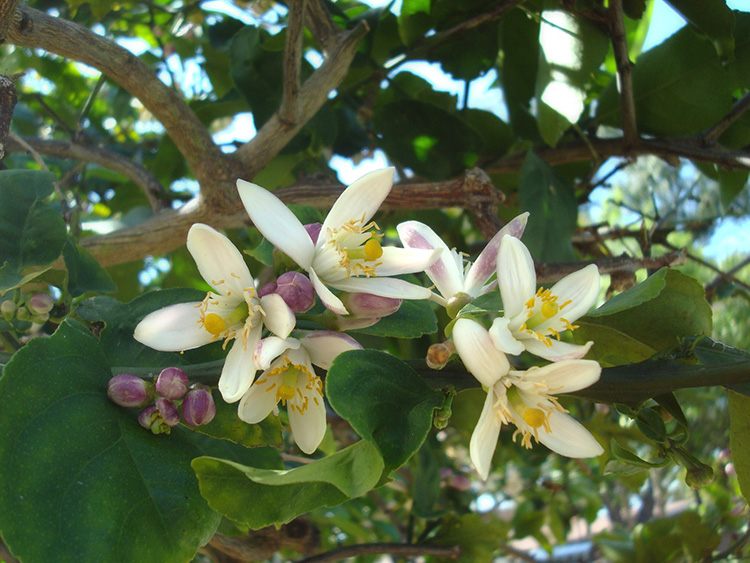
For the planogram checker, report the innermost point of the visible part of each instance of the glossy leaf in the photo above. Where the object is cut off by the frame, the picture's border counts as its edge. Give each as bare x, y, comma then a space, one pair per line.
84, 273
384, 400
79, 476
263, 497
412, 320
477, 535
712, 17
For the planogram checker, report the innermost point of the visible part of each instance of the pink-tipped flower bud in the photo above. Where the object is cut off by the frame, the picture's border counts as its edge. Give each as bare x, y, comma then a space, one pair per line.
296, 290
129, 390
8, 310
367, 305
348, 322
168, 411
172, 383
313, 229
150, 418
198, 407
40, 303
267, 289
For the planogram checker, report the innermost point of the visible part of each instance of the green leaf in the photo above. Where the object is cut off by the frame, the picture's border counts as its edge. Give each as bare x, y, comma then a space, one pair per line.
469, 55
434, 143
712, 17
611, 347
412, 320
84, 272
78, 475
11, 279
731, 183
659, 311
551, 201
228, 426
739, 439
571, 49
477, 534
264, 497
625, 462
384, 400
31, 232
488, 303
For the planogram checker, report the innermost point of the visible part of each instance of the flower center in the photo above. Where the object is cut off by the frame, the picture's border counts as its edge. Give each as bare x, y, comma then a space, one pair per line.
226, 317
357, 246
294, 379
540, 309
533, 416
216, 324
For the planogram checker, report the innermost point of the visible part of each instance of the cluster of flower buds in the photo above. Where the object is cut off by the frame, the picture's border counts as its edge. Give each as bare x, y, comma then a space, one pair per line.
173, 397
35, 308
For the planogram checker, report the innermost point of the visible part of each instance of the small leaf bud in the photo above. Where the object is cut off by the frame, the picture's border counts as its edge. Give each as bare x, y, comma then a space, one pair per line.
129, 390
168, 411
172, 383
296, 290
198, 407
40, 303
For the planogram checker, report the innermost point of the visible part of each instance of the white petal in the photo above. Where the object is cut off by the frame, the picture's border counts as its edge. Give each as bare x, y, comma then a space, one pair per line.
271, 348
503, 339
515, 275
277, 223
218, 260
559, 350
324, 345
259, 401
486, 263
581, 288
385, 287
479, 355
569, 437
279, 318
484, 438
363, 197
309, 427
396, 260
330, 301
567, 376
239, 369
173, 329
444, 274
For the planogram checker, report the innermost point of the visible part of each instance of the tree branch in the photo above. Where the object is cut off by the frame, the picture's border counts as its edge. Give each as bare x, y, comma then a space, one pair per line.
72, 41
7, 15
549, 273
740, 107
151, 187
403, 549
292, 62
319, 22
624, 73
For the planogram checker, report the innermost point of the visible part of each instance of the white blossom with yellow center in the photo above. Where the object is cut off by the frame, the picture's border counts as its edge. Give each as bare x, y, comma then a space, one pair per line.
526, 399
232, 313
289, 378
348, 254
533, 320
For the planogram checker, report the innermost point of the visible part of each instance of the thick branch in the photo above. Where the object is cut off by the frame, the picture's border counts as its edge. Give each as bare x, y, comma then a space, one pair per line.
276, 133
624, 73
292, 61
403, 549
72, 41
7, 15
549, 273
151, 187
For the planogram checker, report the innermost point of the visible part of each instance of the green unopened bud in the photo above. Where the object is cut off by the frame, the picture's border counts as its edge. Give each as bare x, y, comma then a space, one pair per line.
457, 302
699, 476
23, 314
8, 310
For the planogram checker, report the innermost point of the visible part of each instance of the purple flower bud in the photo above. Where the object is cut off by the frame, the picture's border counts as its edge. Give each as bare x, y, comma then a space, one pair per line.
313, 229
267, 289
172, 383
198, 407
296, 290
41, 303
150, 418
129, 390
367, 305
168, 411
352, 323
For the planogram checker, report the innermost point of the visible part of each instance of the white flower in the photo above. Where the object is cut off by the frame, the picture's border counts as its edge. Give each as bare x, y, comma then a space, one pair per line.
234, 312
289, 377
533, 319
523, 398
347, 254
451, 276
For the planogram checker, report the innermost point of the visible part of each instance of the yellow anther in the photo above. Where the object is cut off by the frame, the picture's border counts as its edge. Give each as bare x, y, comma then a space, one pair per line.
373, 250
550, 309
214, 324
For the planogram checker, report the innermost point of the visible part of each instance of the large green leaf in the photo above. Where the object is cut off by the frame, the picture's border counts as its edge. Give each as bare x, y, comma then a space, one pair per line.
31, 232
384, 400
412, 320
264, 497
680, 87
79, 478
550, 199
739, 438
84, 272
571, 49
657, 312
712, 17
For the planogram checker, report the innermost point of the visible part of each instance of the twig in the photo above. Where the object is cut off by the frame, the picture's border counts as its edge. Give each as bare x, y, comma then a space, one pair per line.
740, 107
292, 61
320, 23
624, 73
548, 273
710, 266
727, 276
403, 549
87, 107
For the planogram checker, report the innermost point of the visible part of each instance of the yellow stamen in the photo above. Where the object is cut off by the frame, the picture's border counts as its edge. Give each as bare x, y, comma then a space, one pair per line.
550, 309
214, 324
